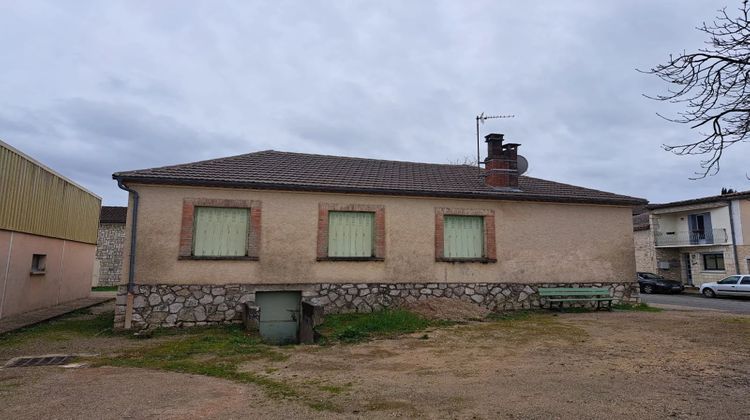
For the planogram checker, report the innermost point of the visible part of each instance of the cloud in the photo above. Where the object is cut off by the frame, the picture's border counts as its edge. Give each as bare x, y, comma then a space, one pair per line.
125, 85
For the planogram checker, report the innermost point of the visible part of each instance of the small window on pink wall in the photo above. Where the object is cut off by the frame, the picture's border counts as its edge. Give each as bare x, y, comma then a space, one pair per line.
487, 224
378, 235
252, 227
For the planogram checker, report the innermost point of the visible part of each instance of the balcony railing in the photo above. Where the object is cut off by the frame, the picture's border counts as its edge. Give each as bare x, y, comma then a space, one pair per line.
688, 238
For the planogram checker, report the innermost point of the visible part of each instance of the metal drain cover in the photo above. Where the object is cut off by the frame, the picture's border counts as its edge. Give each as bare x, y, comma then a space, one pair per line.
48, 360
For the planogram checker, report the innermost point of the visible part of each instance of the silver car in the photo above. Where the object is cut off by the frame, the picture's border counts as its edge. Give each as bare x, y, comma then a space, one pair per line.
737, 285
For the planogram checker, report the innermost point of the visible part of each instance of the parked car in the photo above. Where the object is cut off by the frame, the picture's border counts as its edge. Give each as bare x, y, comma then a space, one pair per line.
737, 285
653, 283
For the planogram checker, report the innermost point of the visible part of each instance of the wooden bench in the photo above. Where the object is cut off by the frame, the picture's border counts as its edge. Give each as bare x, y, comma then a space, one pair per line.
576, 294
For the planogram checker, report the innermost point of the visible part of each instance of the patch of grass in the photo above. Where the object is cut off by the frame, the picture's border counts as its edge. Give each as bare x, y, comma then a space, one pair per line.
335, 389
76, 324
353, 328
521, 327
104, 289
216, 351
737, 320
642, 307
509, 316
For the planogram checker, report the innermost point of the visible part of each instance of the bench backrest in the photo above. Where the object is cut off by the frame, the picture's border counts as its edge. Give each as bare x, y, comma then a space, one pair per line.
573, 291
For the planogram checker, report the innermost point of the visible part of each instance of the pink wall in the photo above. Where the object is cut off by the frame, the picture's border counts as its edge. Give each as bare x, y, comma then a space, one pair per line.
69, 267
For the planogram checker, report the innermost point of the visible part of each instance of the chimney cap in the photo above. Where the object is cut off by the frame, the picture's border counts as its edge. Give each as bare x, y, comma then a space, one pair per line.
493, 136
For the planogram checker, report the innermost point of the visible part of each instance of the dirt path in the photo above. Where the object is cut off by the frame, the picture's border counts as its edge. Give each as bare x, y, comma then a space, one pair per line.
591, 365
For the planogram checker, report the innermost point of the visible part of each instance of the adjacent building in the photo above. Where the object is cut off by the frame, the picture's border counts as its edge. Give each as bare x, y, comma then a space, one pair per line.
273, 229
48, 229
695, 241
109, 243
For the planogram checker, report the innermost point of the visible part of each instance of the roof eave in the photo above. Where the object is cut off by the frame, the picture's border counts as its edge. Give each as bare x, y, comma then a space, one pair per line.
705, 200
374, 191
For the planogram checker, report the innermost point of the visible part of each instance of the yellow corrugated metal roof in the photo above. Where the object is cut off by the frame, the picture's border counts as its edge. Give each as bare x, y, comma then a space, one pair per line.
35, 199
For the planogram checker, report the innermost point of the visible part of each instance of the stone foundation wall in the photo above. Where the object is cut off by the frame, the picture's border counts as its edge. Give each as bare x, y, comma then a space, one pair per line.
189, 305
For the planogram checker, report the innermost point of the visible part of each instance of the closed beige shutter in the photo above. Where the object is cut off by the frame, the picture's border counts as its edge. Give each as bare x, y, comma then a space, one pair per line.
220, 232
464, 236
350, 234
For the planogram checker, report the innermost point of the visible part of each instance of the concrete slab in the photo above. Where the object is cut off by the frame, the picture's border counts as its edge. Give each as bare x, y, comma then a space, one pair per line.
15, 322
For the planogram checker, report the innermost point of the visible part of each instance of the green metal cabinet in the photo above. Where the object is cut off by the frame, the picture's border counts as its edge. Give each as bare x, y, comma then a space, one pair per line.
279, 316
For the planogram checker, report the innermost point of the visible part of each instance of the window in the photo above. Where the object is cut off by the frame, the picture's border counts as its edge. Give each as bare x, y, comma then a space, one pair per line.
464, 236
216, 229
38, 263
351, 232
713, 262
700, 228
745, 280
729, 280
220, 232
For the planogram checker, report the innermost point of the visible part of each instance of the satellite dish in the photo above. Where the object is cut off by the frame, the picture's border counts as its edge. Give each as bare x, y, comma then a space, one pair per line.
523, 165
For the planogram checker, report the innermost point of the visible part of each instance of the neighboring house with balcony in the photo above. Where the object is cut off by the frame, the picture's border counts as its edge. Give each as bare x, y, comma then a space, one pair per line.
272, 229
695, 241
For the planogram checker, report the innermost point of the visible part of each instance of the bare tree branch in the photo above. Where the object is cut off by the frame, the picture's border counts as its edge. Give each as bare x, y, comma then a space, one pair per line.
712, 84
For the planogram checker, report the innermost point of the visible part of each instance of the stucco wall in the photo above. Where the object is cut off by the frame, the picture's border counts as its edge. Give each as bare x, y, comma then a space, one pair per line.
645, 253
536, 242
743, 255
68, 274
745, 221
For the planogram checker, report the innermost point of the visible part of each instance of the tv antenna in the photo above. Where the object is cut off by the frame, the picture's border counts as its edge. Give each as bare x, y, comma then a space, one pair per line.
481, 118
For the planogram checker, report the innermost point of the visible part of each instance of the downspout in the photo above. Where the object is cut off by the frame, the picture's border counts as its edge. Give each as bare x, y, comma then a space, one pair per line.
131, 262
734, 239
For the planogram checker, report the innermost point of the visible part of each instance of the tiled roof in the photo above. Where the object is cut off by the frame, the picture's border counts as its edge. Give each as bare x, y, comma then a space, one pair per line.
113, 214
703, 200
270, 169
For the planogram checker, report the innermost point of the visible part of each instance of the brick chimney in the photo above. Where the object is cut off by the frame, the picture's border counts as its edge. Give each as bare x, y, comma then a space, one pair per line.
501, 165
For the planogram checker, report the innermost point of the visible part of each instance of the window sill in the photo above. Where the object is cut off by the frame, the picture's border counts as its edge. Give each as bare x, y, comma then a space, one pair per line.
467, 260
200, 258
37, 273
350, 259
714, 271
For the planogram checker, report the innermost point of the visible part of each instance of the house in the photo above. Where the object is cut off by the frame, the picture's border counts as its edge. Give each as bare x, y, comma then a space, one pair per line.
109, 242
352, 234
47, 235
696, 241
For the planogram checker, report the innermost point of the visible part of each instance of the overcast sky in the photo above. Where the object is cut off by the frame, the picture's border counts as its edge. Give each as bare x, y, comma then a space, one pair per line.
91, 88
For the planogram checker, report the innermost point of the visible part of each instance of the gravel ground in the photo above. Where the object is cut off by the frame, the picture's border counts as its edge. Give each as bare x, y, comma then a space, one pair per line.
589, 365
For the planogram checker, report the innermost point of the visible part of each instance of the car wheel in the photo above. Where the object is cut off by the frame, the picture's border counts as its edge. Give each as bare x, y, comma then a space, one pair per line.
709, 293
648, 289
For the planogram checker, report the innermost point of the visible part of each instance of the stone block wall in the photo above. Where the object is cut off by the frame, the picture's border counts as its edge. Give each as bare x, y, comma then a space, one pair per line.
189, 305
645, 251
109, 246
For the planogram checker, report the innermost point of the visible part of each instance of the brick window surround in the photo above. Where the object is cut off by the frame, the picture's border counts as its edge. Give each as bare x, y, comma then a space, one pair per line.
489, 234
188, 216
379, 237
